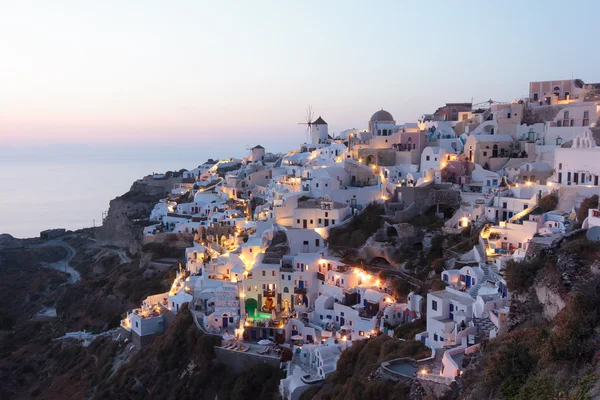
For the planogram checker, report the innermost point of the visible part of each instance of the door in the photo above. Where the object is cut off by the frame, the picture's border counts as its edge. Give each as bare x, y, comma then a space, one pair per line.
342, 321
326, 221
301, 284
304, 224
468, 281
452, 305
224, 322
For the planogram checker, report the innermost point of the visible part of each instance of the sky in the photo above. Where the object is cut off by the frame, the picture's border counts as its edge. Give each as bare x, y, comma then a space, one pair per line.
129, 71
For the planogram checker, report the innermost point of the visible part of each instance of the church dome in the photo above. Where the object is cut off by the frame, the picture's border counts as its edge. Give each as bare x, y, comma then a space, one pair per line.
382, 115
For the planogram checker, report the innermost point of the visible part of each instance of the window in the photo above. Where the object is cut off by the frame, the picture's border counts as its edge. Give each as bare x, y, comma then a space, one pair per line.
294, 327
286, 290
264, 273
298, 221
559, 123
282, 277
361, 333
485, 153
535, 97
249, 288
566, 115
434, 305
321, 316
333, 222
273, 272
559, 165
508, 115
320, 221
311, 222
136, 324
586, 118
445, 278
317, 185
435, 337
317, 242
426, 158
524, 206
255, 288
326, 214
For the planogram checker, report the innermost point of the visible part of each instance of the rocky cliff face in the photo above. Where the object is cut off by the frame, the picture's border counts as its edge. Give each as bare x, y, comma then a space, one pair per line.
387, 240
120, 227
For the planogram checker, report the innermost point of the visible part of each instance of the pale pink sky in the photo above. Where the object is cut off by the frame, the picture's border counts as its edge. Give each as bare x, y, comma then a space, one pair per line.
114, 70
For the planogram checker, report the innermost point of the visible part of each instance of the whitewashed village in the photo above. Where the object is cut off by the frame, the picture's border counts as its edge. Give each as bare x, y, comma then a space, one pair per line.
263, 273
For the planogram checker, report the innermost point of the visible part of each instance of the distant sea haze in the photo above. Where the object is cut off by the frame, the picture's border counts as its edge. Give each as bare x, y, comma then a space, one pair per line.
69, 186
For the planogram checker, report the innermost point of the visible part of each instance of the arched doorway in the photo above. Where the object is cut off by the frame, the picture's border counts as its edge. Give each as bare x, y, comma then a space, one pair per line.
370, 160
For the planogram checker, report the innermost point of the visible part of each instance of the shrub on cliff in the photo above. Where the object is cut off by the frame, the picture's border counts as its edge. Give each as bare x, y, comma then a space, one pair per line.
355, 233
586, 204
548, 203
520, 275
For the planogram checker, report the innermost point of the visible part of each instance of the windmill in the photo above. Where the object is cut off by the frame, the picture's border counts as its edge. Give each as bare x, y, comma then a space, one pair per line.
309, 120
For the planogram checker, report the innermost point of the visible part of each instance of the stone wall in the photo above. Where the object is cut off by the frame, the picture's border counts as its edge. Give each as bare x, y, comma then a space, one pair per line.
239, 362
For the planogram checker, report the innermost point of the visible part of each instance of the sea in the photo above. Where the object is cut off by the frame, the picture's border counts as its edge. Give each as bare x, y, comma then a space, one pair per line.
70, 185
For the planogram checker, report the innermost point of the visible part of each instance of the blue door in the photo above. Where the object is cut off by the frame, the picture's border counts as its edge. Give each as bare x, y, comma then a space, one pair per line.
451, 311
468, 281
224, 322
301, 284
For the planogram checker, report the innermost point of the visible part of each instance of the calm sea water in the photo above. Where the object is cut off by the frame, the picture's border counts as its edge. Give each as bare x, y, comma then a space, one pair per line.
69, 186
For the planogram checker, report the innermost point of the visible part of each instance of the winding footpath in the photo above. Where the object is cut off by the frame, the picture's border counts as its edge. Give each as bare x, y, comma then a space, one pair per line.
62, 265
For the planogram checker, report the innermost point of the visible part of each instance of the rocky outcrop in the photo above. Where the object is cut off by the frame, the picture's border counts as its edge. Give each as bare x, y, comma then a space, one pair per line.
386, 241
550, 300
120, 228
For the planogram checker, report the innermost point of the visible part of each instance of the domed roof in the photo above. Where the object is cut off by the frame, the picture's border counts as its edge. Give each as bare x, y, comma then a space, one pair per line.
382, 115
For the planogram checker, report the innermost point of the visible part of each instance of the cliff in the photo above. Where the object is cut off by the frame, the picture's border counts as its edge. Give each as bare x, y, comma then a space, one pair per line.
123, 225
550, 348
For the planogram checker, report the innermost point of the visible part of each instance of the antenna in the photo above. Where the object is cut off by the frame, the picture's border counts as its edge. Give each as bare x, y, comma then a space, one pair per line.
309, 120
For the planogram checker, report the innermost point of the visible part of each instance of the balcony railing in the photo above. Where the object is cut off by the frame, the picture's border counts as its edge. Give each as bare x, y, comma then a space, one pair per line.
299, 290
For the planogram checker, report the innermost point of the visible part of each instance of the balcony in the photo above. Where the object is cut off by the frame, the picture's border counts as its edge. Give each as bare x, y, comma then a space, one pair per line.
269, 293
299, 290
320, 276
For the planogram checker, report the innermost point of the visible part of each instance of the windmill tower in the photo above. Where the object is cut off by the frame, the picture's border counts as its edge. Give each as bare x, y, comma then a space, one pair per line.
319, 131
308, 118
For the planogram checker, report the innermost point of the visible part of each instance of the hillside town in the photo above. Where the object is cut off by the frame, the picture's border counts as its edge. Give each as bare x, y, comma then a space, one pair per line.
269, 275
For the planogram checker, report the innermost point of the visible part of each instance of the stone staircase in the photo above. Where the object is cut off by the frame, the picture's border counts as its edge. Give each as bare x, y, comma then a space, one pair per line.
488, 275
485, 234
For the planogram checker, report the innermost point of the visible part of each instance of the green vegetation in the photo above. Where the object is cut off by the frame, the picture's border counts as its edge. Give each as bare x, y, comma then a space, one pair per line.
350, 380
520, 275
539, 359
548, 203
580, 245
586, 204
409, 330
355, 233
401, 289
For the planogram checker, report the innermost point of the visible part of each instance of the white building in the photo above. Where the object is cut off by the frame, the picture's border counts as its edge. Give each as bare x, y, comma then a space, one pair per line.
578, 165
